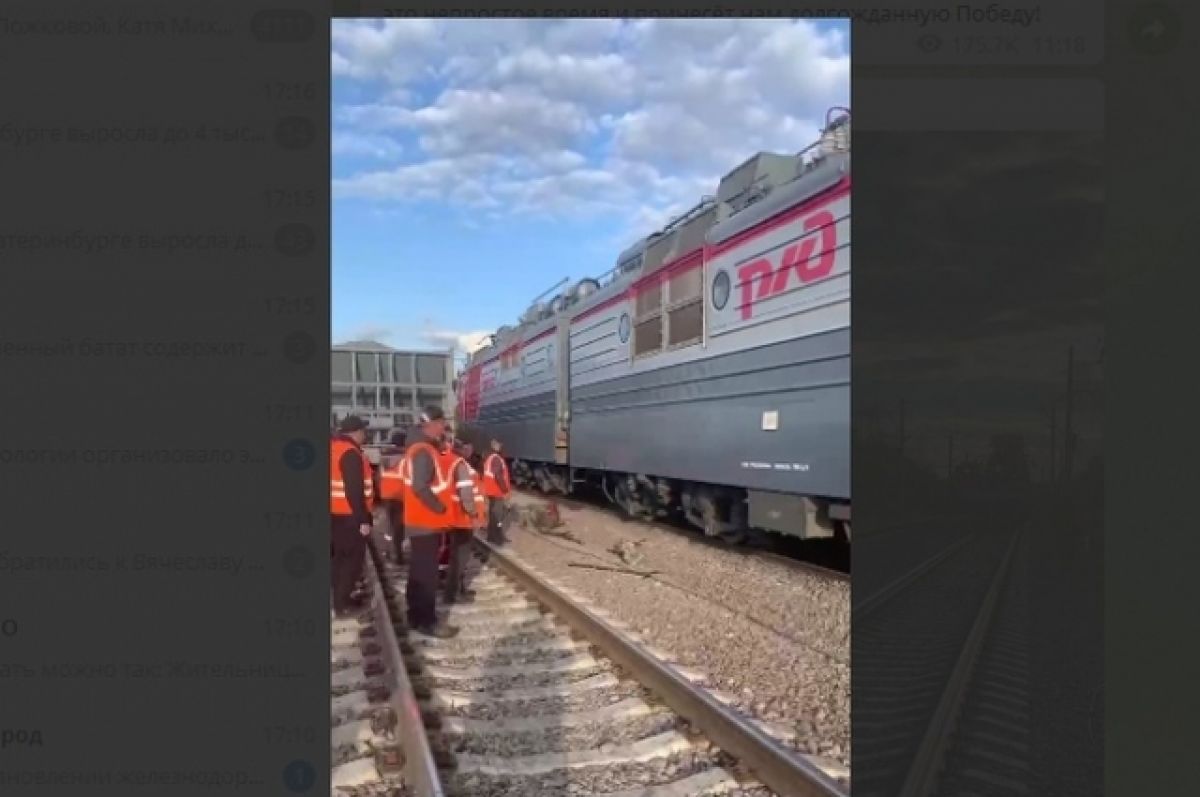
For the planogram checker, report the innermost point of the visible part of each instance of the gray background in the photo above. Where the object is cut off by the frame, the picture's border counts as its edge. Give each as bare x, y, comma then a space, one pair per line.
222, 342
60, 402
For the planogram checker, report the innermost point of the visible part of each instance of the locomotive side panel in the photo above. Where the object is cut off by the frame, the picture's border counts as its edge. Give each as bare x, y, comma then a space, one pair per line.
765, 402
599, 341
704, 420
517, 398
794, 266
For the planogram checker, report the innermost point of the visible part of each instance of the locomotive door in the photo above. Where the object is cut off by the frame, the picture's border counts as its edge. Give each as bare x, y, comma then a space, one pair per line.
562, 399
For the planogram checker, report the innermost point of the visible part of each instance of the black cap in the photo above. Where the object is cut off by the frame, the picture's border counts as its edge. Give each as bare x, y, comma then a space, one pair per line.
351, 423
432, 413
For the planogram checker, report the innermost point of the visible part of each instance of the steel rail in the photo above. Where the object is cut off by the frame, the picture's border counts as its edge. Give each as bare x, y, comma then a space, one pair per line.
420, 770
784, 772
928, 762
872, 602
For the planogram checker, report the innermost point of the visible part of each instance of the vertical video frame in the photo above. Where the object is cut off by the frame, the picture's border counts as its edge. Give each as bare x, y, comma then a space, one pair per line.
590, 431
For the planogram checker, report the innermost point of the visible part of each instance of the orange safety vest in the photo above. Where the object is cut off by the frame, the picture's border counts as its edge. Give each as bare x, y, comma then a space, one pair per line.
459, 517
391, 480
480, 500
338, 503
491, 488
416, 514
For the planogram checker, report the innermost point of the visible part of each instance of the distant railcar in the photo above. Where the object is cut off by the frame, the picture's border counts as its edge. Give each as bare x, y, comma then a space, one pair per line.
707, 375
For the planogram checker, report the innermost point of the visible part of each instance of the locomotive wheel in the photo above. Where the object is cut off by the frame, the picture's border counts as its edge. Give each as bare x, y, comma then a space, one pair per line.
624, 500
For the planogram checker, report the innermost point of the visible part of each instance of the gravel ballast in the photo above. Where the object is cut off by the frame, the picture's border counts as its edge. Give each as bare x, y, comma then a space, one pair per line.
556, 740
584, 701
583, 781
772, 636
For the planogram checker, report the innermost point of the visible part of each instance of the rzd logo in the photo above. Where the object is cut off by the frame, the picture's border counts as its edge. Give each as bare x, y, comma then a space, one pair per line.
798, 257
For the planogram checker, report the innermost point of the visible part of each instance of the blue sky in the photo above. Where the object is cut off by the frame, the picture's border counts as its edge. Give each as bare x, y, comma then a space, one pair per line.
478, 162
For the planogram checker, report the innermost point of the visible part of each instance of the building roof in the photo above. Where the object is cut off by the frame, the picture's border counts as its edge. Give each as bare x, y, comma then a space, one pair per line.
363, 345
376, 346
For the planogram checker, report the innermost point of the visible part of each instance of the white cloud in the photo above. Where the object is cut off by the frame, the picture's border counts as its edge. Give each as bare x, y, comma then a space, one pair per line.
632, 119
395, 51
467, 342
464, 121
367, 145
380, 333
429, 333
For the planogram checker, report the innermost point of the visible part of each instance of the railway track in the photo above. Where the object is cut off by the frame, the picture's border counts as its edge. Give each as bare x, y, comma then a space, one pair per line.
543, 694
784, 550
375, 746
943, 706
984, 745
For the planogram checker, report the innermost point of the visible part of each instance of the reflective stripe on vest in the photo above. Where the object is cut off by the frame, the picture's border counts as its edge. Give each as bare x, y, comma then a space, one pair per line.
480, 500
405, 473
457, 464
491, 488
338, 503
416, 514
391, 481
459, 515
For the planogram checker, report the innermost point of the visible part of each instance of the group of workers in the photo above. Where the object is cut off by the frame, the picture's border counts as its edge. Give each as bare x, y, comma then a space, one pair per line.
436, 494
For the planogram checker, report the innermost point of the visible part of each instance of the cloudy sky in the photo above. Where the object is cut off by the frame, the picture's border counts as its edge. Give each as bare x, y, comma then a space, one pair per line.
477, 163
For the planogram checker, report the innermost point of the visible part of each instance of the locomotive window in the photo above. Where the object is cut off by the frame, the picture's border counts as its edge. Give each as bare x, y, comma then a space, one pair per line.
685, 324
685, 308
647, 336
720, 290
685, 286
649, 300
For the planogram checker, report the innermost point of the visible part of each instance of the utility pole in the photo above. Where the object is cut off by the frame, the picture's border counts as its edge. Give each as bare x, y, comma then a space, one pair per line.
1068, 431
1053, 440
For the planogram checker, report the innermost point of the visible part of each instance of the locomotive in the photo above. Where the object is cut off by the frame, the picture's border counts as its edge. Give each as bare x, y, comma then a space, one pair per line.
707, 375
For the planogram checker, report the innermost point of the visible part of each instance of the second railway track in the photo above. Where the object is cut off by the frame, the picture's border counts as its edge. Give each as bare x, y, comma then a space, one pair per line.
543, 694
944, 709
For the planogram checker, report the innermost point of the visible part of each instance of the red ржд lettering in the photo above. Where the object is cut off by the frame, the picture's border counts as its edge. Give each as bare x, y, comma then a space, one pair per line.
760, 280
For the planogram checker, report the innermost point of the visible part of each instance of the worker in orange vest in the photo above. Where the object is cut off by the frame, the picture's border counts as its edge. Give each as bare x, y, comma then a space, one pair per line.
391, 492
427, 518
467, 515
497, 487
468, 453
351, 503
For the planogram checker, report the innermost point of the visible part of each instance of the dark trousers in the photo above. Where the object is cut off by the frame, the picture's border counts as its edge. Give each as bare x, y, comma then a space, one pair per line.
395, 514
495, 527
459, 541
346, 568
422, 587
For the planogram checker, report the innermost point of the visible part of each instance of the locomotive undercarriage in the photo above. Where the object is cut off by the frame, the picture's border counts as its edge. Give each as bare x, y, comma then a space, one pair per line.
724, 513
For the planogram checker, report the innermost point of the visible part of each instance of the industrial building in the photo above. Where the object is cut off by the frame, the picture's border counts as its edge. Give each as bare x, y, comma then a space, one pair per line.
387, 387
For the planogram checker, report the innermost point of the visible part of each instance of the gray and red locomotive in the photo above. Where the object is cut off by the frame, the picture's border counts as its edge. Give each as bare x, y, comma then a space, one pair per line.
708, 374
